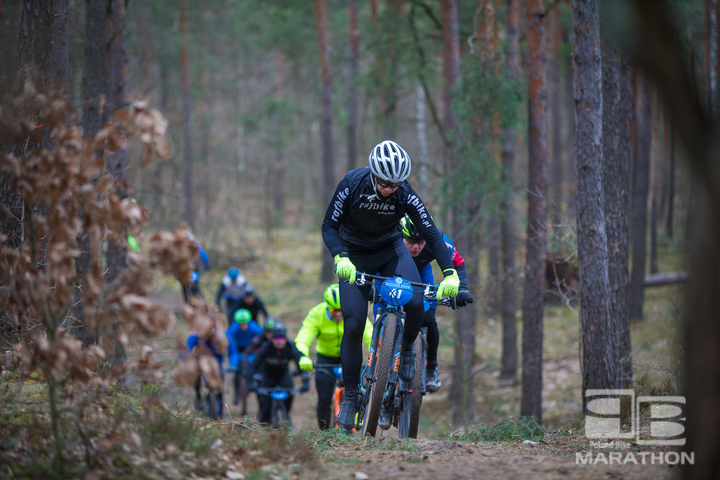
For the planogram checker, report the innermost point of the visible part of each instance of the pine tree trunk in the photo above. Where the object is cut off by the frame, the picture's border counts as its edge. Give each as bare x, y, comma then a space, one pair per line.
508, 369
534, 290
598, 367
36, 35
671, 183
554, 97
640, 187
279, 169
352, 113
616, 124
188, 162
493, 243
329, 184
59, 62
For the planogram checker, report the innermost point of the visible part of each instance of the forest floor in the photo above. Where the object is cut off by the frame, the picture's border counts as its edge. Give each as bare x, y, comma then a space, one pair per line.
146, 431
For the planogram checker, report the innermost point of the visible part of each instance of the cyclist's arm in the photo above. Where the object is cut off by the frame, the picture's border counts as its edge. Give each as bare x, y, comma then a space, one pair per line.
458, 261
203, 256
220, 293
309, 330
254, 329
192, 341
334, 217
259, 358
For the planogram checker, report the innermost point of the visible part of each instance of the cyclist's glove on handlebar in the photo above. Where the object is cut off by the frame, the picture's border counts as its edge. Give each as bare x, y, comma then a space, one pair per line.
449, 286
305, 364
344, 267
463, 296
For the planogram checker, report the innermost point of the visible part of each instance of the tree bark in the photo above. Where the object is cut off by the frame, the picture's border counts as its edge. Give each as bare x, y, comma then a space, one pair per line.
352, 113
279, 169
493, 243
323, 35
36, 35
59, 62
616, 151
534, 290
508, 369
554, 97
640, 187
671, 182
188, 162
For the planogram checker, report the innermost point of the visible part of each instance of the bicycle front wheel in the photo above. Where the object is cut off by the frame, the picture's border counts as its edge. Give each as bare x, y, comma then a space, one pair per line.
413, 400
213, 405
384, 354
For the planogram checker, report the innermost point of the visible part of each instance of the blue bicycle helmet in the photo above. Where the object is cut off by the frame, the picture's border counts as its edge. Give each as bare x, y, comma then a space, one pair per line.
233, 273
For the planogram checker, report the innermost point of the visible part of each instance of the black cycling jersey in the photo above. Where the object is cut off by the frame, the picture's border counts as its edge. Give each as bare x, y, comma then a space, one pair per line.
276, 361
358, 219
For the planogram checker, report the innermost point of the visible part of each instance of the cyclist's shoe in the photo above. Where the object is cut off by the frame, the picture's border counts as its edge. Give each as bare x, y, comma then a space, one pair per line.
198, 403
407, 363
385, 418
348, 409
433, 380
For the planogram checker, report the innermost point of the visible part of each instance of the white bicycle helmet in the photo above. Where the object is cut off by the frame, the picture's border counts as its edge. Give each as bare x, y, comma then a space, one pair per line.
389, 162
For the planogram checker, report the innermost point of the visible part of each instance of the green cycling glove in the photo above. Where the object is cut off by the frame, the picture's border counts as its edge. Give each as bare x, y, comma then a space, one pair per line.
449, 286
345, 268
305, 364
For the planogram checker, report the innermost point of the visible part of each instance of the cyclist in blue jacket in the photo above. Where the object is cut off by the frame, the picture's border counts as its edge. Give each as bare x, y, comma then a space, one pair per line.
241, 333
193, 343
201, 262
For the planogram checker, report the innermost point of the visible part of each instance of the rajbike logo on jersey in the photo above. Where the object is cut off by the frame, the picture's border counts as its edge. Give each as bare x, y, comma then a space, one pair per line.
420, 206
338, 204
380, 207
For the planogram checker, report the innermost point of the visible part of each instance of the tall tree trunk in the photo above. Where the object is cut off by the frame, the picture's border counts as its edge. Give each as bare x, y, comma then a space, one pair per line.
323, 35
555, 131
508, 369
36, 35
569, 140
279, 169
534, 291
598, 367
654, 184
189, 214
422, 141
671, 182
616, 151
59, 62
641, 184
462, 382
352, 113
95, 87
117, 77
389, 53
493, 243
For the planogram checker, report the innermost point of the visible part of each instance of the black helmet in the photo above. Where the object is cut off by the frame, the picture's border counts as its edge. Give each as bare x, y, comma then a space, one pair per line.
279, 330
249, 290
269, 323
409, 230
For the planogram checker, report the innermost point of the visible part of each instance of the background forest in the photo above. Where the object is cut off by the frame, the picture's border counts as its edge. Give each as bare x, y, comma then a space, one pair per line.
566, 147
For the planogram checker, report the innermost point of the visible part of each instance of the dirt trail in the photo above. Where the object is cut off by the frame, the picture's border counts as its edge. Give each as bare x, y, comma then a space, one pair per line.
435, 459
386, 457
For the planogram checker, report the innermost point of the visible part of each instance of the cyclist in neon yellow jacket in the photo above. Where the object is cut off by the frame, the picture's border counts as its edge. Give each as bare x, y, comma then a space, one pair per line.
325, 322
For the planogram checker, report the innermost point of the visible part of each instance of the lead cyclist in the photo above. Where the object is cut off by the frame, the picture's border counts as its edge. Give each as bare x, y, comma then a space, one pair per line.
362, 231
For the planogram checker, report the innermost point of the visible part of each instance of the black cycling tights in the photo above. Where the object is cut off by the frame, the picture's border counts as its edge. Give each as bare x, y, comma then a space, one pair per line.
433, 337
389, 261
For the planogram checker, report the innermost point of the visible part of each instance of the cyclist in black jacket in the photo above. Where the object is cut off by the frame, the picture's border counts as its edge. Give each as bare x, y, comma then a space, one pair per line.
362, 231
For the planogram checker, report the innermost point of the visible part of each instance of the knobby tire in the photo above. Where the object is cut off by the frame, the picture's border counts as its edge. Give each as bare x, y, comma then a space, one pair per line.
212, 405
280, 415
416, 398
382, 368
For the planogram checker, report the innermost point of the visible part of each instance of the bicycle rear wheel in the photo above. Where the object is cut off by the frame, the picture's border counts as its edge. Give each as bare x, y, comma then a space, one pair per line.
213, 406
280, 415
382, 368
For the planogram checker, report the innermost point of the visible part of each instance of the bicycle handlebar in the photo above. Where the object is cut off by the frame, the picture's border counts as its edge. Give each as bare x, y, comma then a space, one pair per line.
429, 290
